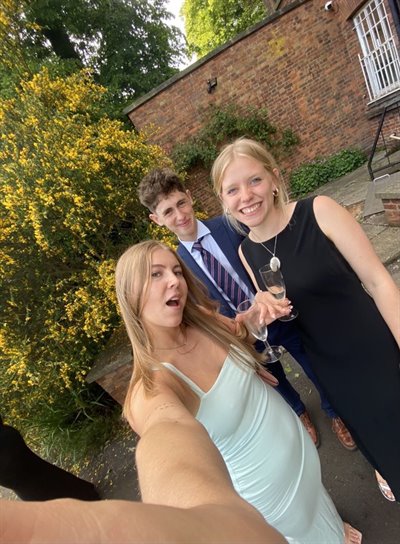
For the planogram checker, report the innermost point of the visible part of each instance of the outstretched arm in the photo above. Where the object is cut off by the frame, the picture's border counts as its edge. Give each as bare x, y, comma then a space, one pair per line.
184, 477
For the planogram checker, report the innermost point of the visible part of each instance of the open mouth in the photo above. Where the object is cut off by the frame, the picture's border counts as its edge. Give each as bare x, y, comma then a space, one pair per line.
173, 301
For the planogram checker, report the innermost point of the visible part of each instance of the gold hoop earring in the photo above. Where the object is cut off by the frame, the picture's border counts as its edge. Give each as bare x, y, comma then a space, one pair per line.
275, 192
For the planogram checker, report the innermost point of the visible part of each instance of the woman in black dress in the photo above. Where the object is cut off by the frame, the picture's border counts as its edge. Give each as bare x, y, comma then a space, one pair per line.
348, 304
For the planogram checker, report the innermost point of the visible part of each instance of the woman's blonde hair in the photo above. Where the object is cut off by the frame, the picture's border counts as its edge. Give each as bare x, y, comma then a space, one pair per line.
132, 279
245, 147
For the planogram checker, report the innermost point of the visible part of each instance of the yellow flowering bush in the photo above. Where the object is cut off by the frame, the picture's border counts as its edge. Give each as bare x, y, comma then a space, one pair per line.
68, 208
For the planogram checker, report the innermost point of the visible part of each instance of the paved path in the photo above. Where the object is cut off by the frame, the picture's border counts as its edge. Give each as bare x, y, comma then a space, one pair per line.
355, 191
348, 477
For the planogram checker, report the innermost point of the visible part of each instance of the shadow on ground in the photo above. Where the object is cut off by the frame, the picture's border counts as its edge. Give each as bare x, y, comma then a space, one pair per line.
347, 476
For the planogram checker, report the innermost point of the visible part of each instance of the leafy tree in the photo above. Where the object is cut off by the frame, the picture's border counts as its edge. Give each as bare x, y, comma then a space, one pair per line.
127, 43
210, 23
14, 60
68, 207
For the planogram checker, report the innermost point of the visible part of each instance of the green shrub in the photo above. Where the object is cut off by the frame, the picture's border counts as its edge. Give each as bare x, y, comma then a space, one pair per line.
309, 176
68, 208
224, 124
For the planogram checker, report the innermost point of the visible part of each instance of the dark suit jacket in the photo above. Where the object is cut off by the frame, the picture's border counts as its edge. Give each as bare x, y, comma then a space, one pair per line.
229, 241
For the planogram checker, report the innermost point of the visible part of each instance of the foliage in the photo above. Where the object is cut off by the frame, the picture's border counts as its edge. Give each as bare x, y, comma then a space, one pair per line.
15, 61
68, 207
226, 123
81, 436
309, 176
210, 23
127, 44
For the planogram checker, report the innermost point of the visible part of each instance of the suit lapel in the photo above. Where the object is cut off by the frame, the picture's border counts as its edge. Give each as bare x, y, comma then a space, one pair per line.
191, 263
198, 272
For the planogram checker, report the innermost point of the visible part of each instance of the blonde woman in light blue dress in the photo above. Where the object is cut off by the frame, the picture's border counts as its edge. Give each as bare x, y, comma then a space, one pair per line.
190, 362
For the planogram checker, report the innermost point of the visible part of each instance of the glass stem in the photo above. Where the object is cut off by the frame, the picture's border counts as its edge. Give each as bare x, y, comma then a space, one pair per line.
267, 346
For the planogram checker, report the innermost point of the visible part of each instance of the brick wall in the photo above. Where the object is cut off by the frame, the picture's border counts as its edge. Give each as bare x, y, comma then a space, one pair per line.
389, 192
301, 65
392, 211
347, 8
199, 185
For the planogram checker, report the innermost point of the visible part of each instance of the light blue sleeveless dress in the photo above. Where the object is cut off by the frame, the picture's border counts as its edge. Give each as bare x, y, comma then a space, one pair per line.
271, 459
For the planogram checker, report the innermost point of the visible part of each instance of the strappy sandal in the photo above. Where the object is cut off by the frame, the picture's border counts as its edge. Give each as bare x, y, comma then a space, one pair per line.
384, 487
351, 535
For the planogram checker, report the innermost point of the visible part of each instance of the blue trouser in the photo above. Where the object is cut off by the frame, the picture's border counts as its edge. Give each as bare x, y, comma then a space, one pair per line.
286, 335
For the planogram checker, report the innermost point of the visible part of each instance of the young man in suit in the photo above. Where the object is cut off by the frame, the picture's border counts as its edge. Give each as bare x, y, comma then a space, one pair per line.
171, 206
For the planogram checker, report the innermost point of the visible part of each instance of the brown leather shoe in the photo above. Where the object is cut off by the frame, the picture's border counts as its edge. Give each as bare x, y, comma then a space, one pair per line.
343, 434
312, 431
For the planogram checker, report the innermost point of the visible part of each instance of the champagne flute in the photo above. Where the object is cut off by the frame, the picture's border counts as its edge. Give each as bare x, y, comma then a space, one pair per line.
274, 282
251, 312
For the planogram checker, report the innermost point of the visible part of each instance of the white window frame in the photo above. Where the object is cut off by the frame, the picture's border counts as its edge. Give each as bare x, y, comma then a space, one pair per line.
380, 62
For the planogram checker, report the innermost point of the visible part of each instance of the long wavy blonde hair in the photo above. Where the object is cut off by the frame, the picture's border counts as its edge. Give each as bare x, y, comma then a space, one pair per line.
245, 147
132, 279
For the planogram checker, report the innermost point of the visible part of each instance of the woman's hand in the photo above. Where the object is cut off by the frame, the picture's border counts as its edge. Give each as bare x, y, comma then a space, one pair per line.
270, 308
267, 377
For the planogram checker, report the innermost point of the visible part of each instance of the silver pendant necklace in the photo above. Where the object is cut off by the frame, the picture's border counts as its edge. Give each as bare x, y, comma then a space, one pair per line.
274, 262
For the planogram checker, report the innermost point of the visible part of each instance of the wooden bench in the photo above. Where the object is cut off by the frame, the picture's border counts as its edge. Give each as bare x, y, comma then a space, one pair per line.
113, 367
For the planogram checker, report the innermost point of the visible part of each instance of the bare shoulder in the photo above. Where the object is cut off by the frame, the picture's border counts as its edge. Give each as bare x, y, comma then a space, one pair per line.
163, 402
322, 203
325, 206
349, 238
333, 218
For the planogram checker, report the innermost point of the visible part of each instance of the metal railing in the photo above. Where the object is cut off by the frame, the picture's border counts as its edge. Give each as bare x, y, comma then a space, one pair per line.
380, 137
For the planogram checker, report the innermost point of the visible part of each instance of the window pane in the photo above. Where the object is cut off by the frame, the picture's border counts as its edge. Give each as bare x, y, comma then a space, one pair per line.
379, 61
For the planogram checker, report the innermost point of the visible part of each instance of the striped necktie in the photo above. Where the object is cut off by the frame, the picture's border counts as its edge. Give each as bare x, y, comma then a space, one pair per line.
221, 276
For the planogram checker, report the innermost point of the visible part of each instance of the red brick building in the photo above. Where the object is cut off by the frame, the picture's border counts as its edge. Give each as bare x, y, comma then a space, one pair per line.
323, 68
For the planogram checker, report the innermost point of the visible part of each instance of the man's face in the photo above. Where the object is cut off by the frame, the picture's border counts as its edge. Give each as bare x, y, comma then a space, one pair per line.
175, 212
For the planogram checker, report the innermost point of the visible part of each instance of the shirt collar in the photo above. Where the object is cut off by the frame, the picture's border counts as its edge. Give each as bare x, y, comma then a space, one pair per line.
202, 230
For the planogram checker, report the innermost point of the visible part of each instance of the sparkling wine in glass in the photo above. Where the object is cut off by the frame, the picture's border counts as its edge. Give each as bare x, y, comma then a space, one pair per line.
274, 282
251, 312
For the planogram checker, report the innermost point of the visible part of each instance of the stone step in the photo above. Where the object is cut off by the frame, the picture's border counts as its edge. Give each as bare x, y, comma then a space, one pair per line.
372, 204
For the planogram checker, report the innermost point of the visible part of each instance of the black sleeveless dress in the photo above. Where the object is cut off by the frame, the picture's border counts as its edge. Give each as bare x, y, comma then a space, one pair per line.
351, 349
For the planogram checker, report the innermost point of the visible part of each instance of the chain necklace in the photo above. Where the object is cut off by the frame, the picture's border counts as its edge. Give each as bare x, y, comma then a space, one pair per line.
175, 347
274, 262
